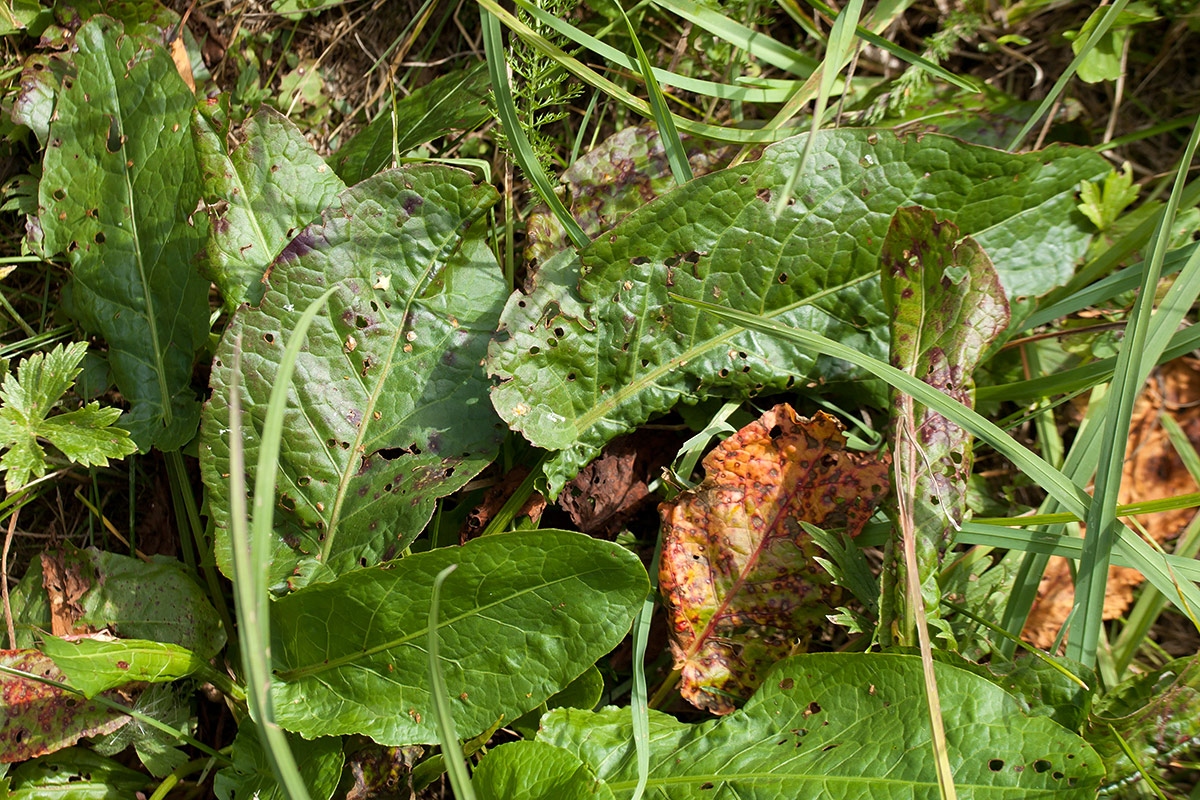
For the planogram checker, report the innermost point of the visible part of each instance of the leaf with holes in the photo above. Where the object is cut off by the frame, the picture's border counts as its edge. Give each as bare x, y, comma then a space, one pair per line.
38, 718
388, 410
841, 725
258, 196
598, 347
947, 306
117, 195
738, 572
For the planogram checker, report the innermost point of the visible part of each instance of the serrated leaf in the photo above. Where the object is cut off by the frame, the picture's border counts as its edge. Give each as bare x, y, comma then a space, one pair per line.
841, 725
947, 306
75, 774
522, 615
456, 100
738, 574
259, 196
85, 436
536, 771
597, 348
117, 195
38, 718
389, 408
251, 777
93, 666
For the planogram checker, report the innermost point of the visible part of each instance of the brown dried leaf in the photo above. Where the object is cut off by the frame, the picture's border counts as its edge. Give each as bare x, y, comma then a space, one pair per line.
1152, 470
65, 585
494, 499
737, 571
610, 491
39, 719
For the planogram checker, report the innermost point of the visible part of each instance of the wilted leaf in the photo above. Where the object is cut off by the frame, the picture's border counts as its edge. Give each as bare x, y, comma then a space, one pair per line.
612, 180
737, 573
536, 771
117, 194
456, 100
598, 347
159, 600
75, 774
85, 436
259, 195
1158, 716
841, 725
33, 105
251, 776
94, 665
524, 614
947, 306
388, 411
39, 719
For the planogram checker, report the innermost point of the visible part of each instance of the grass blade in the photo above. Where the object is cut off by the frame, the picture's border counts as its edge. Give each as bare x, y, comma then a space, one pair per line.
456, 768
676, 155
519, 142
756, 43
251, 551
1128, 377
1098, 32
716, 133
902, 53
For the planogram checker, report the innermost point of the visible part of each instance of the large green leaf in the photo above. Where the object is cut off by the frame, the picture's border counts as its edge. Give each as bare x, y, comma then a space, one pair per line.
523, 615
597, 348
117, 195
259, 195
947, 306
456, 100
841, 725
389, 409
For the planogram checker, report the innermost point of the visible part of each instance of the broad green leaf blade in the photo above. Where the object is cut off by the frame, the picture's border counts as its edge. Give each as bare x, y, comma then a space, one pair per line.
597, 347
39, 719
75, 774
258, 195
454, 101
117, 195
388, 409
738, 573
947, 306
93, 666
842, 725
251, 778
158, 601
521, 617
536, 771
